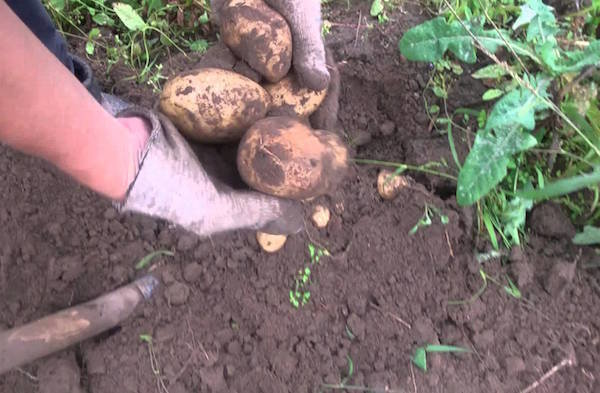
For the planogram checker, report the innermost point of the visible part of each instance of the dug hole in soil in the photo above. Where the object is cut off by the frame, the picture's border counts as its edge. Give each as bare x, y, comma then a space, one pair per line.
223, 322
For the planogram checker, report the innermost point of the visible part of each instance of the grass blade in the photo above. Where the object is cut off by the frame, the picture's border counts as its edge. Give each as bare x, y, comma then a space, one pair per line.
145, 261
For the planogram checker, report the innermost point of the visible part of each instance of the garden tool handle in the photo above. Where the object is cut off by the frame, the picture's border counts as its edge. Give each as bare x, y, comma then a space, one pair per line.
53, 333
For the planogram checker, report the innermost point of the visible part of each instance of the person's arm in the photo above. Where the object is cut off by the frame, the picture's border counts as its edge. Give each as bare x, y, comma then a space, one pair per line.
46, 112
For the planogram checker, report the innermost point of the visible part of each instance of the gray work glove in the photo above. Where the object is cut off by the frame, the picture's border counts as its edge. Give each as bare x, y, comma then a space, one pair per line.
172, 185
304, 19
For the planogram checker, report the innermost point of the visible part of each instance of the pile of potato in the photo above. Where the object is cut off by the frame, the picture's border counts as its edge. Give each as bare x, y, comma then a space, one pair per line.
279, 154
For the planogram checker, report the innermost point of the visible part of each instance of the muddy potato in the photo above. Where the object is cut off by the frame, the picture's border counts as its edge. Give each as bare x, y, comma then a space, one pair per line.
389, 184
290, 99
270, 243
321, 216
212, 105
259, 35
283, 157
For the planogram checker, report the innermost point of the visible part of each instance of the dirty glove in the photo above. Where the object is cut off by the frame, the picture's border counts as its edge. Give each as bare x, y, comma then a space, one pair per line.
171, 184
304, 19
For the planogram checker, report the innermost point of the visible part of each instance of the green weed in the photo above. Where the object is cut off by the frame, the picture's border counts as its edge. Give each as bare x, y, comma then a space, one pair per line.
300, 293
420, 356
136, 32
145, 261
160, 384
540, 139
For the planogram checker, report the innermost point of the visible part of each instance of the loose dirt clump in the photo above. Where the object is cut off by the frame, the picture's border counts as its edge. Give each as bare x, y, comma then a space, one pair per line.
224, 322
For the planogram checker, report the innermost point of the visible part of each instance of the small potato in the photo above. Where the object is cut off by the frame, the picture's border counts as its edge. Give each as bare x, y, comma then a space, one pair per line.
290, 99
389, 184
321, 216
283, 157
259, 35
212, 105
270, 243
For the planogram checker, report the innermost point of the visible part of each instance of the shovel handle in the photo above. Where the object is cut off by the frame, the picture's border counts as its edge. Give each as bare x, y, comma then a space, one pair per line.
58, 331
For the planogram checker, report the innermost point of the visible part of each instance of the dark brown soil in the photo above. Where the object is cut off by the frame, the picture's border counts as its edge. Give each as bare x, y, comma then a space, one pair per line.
222, 321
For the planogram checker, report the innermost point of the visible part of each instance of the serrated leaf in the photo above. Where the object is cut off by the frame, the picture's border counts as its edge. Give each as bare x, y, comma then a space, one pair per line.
376, 7
589, 236
492, 71
541, 21
487, 161
129, 17
200, 45
519, 106
492, 94
430, 40
572, 61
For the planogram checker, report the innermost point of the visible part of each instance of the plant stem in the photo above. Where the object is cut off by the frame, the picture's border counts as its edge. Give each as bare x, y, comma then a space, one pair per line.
404, 166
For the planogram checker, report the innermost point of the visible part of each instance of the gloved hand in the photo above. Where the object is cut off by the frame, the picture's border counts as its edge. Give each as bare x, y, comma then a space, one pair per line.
172, 184
304, 19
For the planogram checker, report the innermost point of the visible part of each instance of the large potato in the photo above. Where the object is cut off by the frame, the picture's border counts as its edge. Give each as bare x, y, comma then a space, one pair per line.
283, 157
213, 105
259, 35
290, 99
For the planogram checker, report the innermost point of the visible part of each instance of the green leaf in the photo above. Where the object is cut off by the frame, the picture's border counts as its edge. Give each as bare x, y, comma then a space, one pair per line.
486, 163
58, 5
572, 112
513, 217
129, 17
146, 338
420, 358
440, 92
490, 229
492, 71
204, 18
541, 21
430, 40
562, 187
492, 94
574, 61
148, 258
103, 20
153, 5
90, 45
376, 7
445, 348
200, 45
589, 236
512, 289
519, 106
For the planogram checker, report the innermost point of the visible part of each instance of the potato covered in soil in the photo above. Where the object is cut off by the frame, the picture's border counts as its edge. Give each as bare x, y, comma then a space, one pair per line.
290, 99
389, 184
270, 243
283, 157
213, 105
259, 35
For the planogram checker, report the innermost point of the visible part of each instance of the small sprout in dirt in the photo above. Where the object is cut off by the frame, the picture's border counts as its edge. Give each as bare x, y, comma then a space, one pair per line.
145, 261
344, 381
326, 28
512, 289
378, 10
300, 294
270, 243
420, 356
321, 216
160, 384
349, 333
426, 221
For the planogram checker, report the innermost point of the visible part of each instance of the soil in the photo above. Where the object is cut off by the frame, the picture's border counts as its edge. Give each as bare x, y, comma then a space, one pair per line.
222, 320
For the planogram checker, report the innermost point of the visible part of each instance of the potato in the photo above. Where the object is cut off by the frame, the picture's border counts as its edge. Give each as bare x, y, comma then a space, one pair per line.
290, 99
321, 216
270, 243
390, 184
259, 35
283, 157
213, 105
